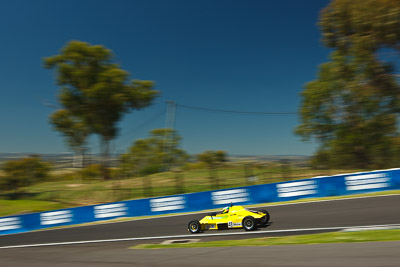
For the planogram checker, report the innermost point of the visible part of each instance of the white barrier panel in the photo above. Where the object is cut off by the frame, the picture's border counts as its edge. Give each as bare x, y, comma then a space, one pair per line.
230, 196
11, 223
167, 203
110, 210
56, 217
367, 181
294, 189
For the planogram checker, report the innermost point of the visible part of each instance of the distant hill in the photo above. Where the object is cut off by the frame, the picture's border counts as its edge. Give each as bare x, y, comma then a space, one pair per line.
65, 160
59, 160
270, 157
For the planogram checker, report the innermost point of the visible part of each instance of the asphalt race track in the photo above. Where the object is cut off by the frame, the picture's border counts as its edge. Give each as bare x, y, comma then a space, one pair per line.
375, 254
306, 216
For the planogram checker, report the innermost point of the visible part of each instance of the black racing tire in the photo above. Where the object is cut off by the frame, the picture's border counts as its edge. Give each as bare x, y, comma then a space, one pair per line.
264, 220
194, 226
249, 223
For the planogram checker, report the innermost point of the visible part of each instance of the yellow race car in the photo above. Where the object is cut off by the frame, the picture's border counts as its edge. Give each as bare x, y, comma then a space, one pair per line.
230, 217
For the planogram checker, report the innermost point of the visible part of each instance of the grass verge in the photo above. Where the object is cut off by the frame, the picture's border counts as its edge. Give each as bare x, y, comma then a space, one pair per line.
11, 207
336, 237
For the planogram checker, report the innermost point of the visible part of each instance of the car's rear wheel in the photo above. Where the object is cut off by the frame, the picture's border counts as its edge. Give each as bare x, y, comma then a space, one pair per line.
194, 226
249, 223
264, 220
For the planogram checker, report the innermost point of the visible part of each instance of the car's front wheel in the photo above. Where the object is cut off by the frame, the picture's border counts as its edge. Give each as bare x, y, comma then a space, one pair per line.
249, 223
194, 226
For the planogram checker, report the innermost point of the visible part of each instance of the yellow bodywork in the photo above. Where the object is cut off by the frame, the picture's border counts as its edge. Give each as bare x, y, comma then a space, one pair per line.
232, 219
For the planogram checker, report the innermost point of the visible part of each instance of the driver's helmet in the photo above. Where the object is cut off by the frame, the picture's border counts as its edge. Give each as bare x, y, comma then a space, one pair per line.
225, 210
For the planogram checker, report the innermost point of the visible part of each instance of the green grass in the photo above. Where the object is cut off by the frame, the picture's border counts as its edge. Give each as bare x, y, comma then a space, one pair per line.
9, 207
336, 237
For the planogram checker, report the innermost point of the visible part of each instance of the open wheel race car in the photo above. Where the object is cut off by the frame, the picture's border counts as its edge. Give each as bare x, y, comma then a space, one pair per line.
230, 217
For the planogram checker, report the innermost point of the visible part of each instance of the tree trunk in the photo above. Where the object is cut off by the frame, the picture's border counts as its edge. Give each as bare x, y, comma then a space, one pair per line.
78, 162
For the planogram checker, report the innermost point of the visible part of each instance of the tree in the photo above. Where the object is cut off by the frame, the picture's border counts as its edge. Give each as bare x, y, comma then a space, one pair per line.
369, 31
95, 92
350, 109
212, 158
220, 156
150, 155
23, 172
375, 23
349, 116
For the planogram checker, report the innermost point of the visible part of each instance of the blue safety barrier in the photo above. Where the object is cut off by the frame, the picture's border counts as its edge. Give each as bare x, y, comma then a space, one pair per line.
337, 185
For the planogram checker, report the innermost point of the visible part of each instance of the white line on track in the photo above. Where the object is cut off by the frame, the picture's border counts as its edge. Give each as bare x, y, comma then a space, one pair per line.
346, 197
199, 235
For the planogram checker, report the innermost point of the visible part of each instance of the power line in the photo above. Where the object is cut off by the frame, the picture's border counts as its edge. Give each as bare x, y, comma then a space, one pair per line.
236, 111
142, 125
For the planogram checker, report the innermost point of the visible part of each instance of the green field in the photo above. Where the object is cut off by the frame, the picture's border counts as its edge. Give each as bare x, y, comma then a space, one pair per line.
10, 207
336, 237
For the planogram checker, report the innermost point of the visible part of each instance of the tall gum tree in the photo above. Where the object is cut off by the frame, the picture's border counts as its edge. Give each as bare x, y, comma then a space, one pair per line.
96, 91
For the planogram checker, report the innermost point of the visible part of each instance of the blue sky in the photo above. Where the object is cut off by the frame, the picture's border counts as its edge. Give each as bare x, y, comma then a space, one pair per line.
245, 55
